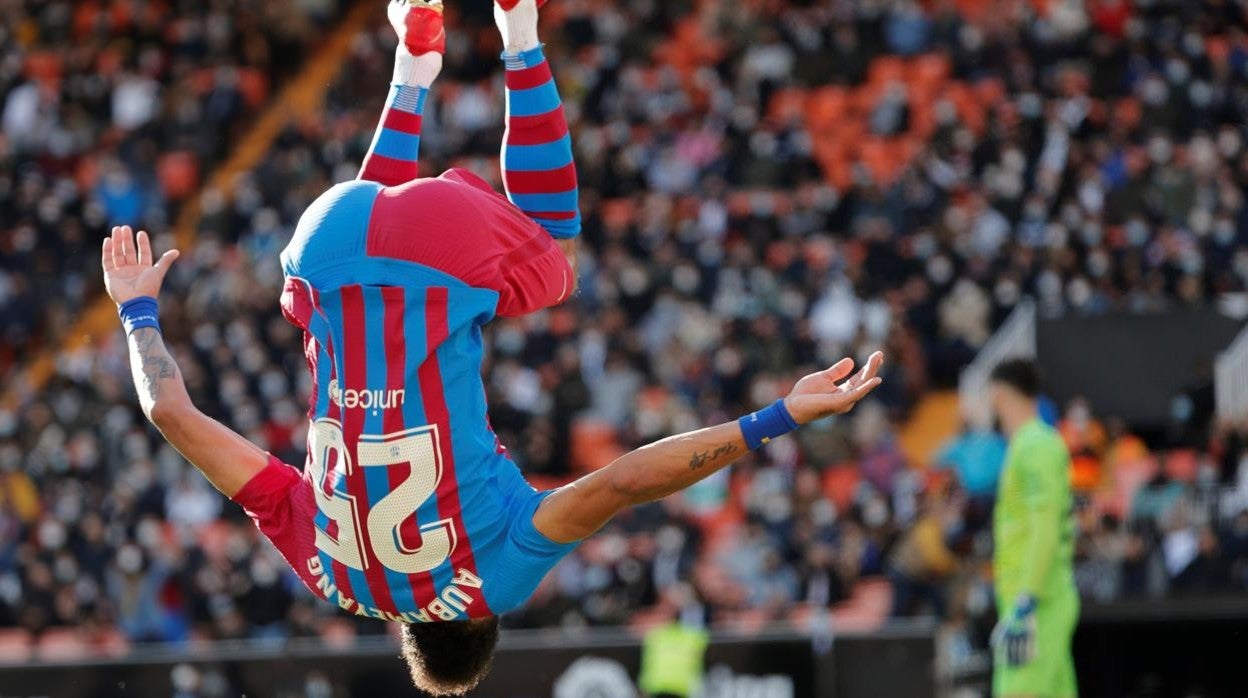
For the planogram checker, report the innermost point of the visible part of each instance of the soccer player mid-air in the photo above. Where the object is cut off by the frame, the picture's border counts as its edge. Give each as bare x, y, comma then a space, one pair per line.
1033, 532
408, 509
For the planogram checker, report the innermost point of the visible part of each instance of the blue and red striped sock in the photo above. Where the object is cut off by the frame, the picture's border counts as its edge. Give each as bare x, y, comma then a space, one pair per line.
392, 158
538, 171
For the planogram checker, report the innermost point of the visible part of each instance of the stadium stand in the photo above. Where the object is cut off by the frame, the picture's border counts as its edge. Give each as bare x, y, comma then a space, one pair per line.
849, 175
115, 111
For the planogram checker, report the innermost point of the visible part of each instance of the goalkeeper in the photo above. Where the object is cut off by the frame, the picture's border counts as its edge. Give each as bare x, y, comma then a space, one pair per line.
1034, 542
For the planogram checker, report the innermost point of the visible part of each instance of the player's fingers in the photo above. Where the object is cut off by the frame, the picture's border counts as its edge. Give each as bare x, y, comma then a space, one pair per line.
127, 245
839, 370
106, 255
119, 260
874, 362
861, 391
869, 369
143, 247
166, 260
841, 400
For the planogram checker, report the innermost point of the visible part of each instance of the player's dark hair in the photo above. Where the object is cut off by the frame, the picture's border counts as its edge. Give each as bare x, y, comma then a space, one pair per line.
1020, 374
449, 659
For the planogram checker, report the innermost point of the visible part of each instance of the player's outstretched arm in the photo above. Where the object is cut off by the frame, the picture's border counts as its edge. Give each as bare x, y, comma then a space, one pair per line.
133, 279
662, 468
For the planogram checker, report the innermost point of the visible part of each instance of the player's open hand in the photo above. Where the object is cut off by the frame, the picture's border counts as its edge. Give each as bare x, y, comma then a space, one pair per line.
129, 268
833, 391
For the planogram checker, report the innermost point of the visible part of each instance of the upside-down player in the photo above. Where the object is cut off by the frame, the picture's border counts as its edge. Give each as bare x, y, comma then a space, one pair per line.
408, 509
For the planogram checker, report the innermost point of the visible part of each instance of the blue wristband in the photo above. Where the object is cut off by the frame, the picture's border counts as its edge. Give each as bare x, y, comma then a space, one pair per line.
771, 422
139, 312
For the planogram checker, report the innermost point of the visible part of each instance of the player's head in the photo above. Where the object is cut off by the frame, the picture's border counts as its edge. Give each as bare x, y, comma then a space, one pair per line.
1014, 386
449, 659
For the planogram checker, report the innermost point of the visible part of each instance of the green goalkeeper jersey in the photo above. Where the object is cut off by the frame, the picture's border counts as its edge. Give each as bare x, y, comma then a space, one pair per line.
1033, 525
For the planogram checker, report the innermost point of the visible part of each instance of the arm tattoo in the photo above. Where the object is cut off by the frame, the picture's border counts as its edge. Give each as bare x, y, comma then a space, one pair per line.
153, 362
701, 458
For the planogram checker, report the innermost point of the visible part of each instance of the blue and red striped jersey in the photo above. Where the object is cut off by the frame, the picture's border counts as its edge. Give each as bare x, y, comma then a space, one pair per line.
420, 515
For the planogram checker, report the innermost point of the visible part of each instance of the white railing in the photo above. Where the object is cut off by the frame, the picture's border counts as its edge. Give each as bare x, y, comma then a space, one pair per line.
1016, 338
1230, 380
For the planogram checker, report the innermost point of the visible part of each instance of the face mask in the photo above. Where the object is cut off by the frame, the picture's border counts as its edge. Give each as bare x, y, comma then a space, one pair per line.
1201, 94
1006, 293
1192, 262
1098, 264
1177, 71
1228, 143
1091, 234
1079, 292
1224, 232
1160, 150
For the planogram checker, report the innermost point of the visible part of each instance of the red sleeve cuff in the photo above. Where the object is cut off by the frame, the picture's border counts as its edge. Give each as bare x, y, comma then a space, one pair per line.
269, 488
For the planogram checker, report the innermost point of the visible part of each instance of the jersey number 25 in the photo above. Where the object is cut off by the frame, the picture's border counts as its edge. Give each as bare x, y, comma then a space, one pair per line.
419, 448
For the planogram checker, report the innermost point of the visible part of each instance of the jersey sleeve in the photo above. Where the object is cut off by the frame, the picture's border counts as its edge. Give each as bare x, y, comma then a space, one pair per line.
266, 497
528, 555
281, 503
539, 280
1044, 468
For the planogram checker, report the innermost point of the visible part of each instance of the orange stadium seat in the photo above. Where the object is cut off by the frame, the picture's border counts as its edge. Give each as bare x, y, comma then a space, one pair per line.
618, 212
867, 607
1127, 112
1123, 482
1181, 465
787, 105
594, 444
826, 107
989, 91
213, 537
178, 174
337, 633
61, 644
44, 66
110, 642
1041, 7
15, 645
975, 11
887, 69
1218, 49
930, 69
877, 154
254, 87
840, 482
970, 110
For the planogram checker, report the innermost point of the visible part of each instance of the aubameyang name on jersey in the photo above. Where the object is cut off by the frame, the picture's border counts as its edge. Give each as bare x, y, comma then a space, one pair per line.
452, 602
366, 399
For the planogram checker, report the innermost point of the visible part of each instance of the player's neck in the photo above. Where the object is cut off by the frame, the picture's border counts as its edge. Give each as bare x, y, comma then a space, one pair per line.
1016, 416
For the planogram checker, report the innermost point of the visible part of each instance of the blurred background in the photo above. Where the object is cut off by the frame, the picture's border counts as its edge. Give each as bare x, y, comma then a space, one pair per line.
767, 185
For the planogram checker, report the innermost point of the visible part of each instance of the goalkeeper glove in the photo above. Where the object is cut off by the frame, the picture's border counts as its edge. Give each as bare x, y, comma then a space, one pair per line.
1015, 635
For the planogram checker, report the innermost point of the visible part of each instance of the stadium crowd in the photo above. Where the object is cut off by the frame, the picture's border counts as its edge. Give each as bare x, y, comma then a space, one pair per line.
727, 248
113, 111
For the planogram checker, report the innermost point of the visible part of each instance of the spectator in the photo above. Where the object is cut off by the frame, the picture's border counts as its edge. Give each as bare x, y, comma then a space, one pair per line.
922, 562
